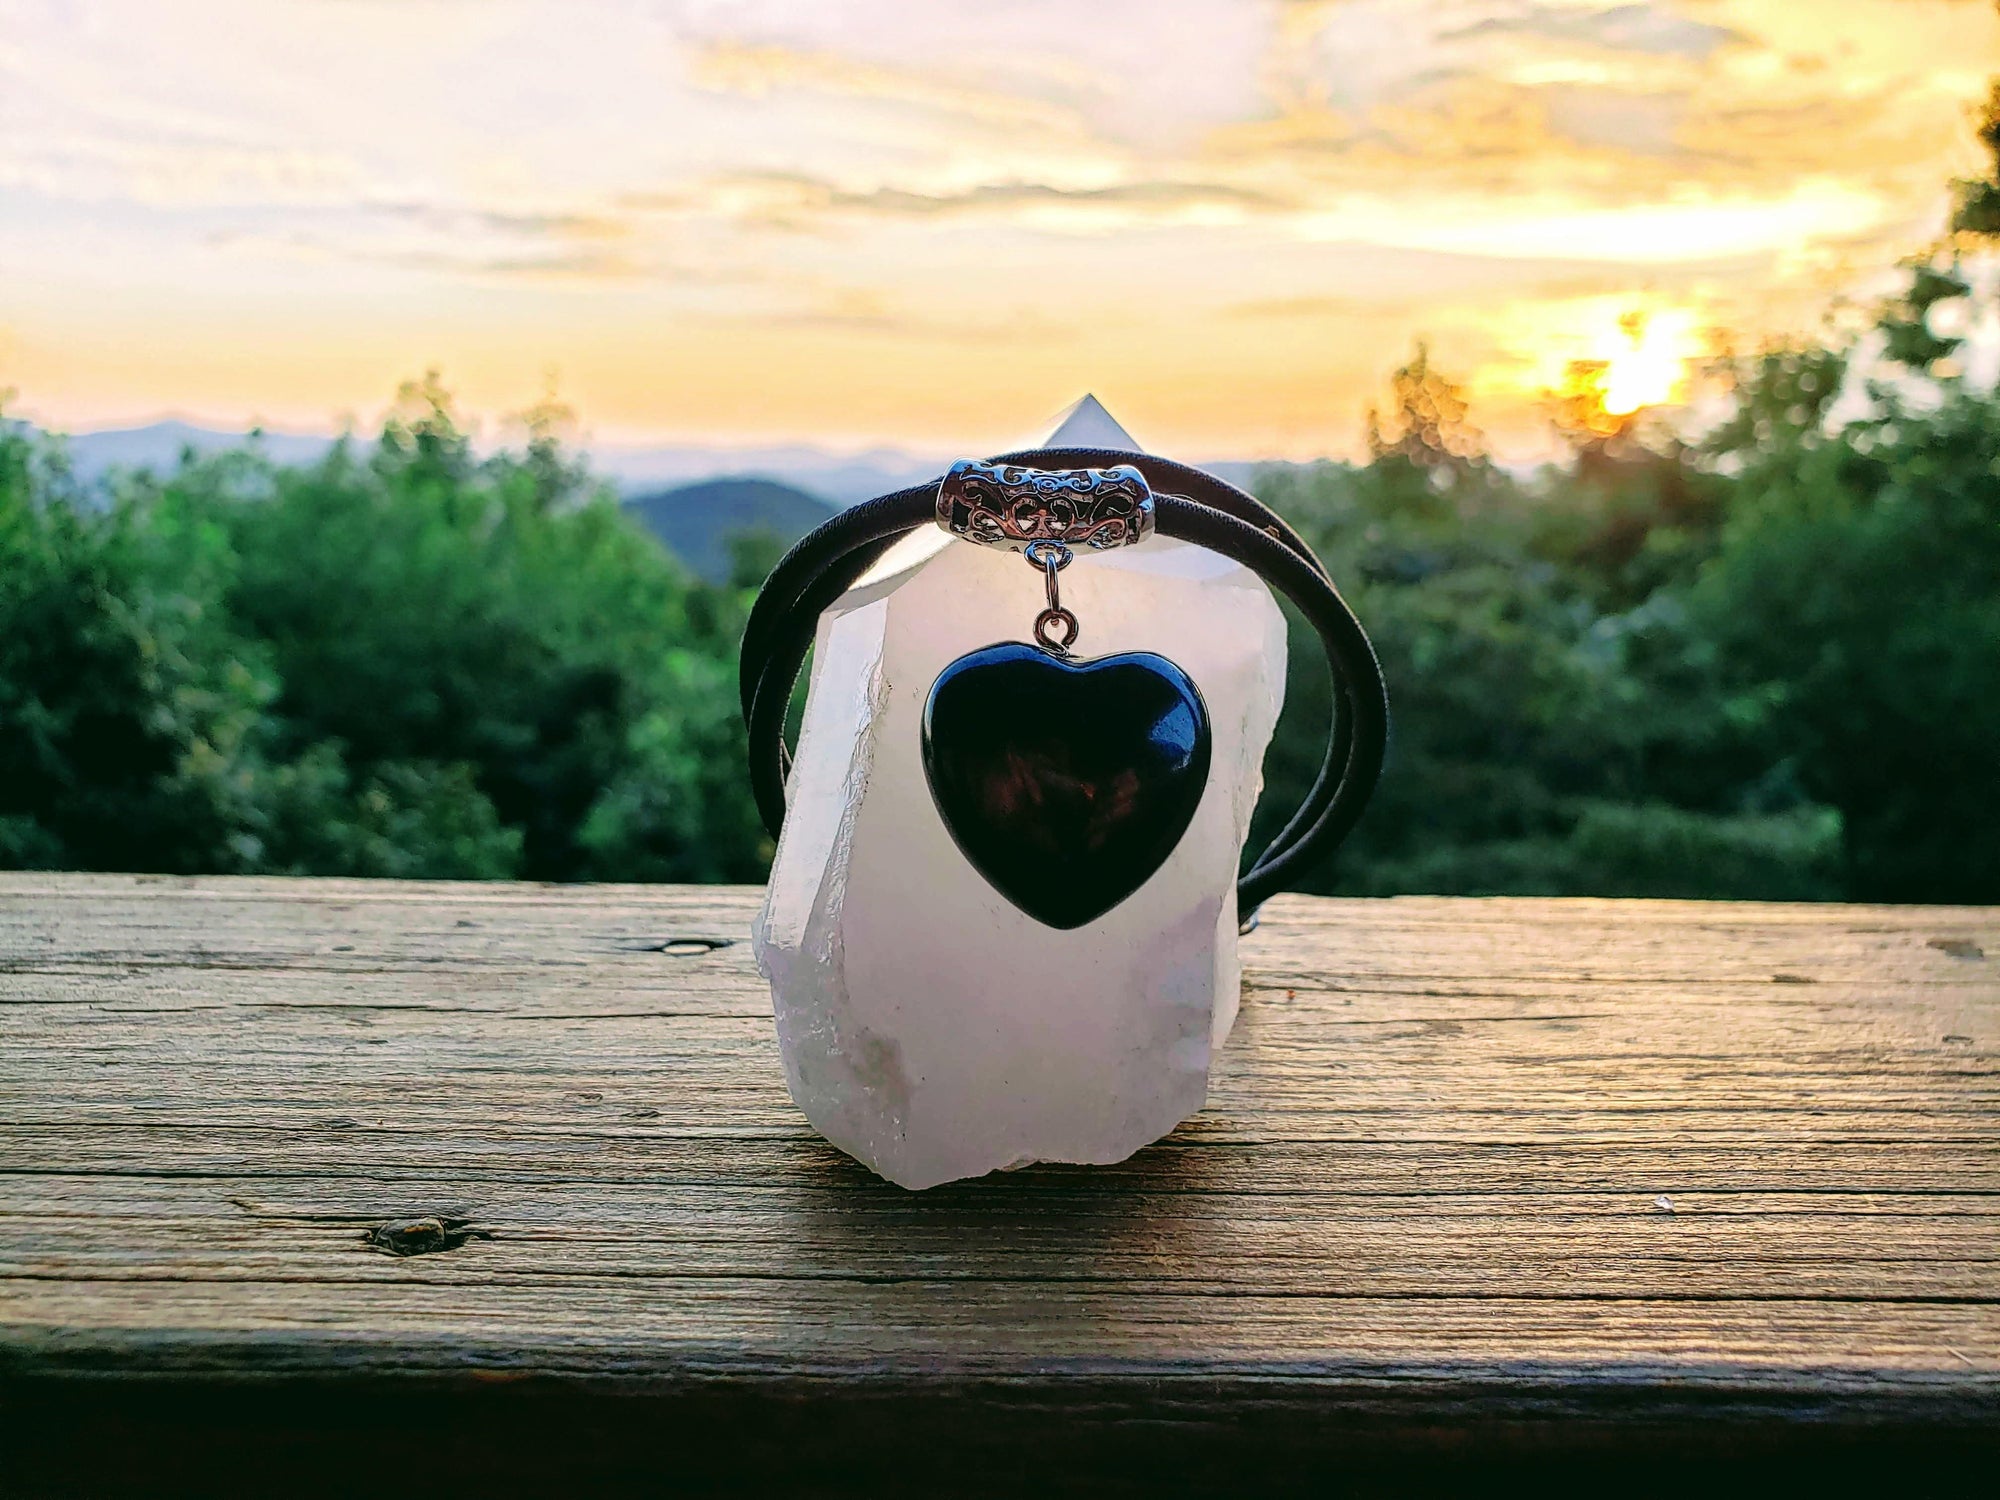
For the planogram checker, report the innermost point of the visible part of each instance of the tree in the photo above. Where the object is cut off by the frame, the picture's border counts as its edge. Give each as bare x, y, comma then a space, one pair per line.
128, 704
400, 661
1426, 424
1909, 332
1976, 200
1854, 609
1552, 728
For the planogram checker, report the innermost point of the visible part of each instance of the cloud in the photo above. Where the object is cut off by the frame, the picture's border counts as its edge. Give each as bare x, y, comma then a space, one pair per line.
480, 259
167, 172
573, 265
762, 70
1132, 71
1643, 124
1189, 182
1695, 228
802, 203
552, 224
1650, 29
1151, 201
1292, 309
1771, 135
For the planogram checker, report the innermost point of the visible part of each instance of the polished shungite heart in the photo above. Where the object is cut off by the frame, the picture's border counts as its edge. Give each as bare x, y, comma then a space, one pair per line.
1066, 784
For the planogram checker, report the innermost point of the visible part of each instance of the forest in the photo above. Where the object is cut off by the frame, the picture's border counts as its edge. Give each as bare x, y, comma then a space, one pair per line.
1757, 661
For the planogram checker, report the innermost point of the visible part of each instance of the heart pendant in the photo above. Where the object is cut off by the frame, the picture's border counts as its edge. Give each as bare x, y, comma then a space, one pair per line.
1066, 784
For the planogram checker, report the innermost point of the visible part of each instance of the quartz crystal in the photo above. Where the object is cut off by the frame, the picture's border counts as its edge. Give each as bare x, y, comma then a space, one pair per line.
930, 1028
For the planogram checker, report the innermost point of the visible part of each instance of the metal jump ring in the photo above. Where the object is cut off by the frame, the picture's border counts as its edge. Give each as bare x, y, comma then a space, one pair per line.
1055, 615
1052, 558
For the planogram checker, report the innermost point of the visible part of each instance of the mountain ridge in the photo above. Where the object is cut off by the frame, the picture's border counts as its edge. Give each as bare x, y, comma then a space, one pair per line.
835, 476
696, 522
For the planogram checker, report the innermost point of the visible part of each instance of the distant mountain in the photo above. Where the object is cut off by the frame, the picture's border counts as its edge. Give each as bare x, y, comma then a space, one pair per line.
840, 478
159, 447
697, 520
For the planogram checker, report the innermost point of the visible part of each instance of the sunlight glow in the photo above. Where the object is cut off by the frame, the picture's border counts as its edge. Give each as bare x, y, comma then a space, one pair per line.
1649, 365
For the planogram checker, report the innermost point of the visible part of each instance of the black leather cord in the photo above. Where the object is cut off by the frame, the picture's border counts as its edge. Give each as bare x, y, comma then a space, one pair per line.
868, 530
1211, 514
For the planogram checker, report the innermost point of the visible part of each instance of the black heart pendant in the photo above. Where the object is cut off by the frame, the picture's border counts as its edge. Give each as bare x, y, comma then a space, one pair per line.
1067, 784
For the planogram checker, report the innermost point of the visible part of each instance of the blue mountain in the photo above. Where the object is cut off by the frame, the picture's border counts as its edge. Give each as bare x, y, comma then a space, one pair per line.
696, 521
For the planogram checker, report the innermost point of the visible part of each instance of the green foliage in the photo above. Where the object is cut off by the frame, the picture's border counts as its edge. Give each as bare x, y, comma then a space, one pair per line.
678, 809
1764, 668
1909, 335
402, 661
405, 818
1781, 399
1855, 610
130, 706
1760, 667
1552, 731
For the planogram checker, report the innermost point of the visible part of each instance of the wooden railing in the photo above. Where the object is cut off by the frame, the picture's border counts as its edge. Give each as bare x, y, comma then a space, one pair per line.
436, 1188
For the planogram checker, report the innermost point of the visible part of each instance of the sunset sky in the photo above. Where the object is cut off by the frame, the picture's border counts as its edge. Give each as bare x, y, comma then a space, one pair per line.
935, 222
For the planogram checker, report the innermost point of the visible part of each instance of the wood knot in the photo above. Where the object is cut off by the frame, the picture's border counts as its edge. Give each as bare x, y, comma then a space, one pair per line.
423, 1236
1958, 947
680, 947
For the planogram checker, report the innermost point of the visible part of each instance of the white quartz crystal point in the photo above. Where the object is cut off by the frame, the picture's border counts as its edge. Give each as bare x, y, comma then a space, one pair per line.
928, 1027
1086, 424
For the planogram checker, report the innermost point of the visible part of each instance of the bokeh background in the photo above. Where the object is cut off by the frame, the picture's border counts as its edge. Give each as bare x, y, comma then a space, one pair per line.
403, 398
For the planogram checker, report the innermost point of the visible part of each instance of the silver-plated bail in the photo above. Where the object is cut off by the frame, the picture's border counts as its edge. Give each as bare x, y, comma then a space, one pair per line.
1014, 506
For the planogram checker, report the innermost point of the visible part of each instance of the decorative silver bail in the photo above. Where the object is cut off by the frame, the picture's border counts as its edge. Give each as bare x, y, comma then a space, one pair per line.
1014, 506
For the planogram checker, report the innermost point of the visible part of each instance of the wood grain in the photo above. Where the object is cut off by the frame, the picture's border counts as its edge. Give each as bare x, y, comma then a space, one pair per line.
1479, 1182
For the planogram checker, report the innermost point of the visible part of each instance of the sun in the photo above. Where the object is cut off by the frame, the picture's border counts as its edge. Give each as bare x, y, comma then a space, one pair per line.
1639, 359
1598, 367
1647, 364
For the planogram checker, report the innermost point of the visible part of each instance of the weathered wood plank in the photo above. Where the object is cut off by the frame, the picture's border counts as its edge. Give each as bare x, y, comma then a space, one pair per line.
1552, 1176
